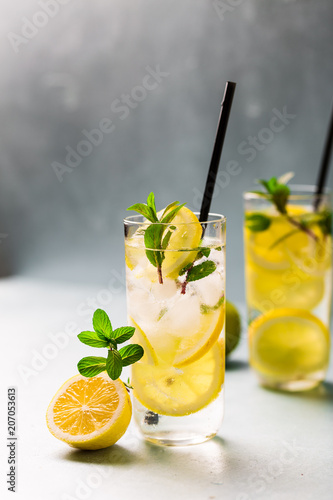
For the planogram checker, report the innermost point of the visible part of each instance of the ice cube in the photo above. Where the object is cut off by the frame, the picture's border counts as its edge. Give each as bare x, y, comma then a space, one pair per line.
210, 288
183, 315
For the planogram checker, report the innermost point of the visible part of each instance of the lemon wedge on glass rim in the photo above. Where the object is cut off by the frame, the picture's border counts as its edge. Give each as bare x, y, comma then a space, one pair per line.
90, 413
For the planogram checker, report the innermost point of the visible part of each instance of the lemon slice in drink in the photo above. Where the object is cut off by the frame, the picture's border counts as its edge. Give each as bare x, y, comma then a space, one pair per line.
287, 343
181, 350
192, 348
90, 413
173, 391
185, 236
139, 337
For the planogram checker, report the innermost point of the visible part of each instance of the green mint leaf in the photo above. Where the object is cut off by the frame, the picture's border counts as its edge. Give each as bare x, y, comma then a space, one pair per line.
201, 270
279, 193
205, 309
185, 268
257, 222
280, 197
166, 240
155, 258
144, 210
153, 236
123, 333
131, 354
169, 207
93, 339
114, 364
265, 184
151, 204
91, 366
153, 240
204, 252
172, 214
113, 343
102, 323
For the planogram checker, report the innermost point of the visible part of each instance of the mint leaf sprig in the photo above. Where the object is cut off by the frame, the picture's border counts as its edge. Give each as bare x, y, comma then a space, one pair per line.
278, 193
194, 272
104, 336
158, 234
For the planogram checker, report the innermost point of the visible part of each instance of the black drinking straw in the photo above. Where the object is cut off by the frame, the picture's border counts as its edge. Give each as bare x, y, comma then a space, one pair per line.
219, 140
325, 163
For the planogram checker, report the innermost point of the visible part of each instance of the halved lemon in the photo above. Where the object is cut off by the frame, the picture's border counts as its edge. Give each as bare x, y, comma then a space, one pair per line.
288, 343
173, 391
90, 413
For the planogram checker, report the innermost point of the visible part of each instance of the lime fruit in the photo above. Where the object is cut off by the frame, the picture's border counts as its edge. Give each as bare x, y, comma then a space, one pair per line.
232, 327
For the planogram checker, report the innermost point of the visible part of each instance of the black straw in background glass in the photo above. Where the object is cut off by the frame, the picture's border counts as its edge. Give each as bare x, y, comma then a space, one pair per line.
325, 163
219, 140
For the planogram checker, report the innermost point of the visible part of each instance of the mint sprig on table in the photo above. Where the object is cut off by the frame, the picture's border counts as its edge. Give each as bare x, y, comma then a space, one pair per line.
157, 236
104, 336
278, 193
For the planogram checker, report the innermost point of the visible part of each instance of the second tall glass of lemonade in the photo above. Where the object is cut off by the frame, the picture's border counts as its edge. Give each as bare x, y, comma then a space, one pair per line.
178, 313
288, 258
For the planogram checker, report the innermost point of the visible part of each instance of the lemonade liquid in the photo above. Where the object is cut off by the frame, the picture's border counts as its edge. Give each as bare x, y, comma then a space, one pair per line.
288, 292
178, 384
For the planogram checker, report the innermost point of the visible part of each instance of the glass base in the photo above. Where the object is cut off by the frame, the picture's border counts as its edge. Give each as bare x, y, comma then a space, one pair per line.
191, 429
294, 385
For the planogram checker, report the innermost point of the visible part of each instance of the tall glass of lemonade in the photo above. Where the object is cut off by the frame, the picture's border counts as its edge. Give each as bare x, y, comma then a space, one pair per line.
288, 267
175, 274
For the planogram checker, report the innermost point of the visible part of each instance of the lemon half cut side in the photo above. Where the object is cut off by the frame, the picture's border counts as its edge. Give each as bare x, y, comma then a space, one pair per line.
90, 413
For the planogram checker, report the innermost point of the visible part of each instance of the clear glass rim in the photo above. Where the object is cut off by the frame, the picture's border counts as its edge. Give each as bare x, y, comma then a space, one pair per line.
212, 219
298, 192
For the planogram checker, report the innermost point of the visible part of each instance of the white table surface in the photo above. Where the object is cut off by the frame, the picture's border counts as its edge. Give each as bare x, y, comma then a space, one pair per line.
270, 446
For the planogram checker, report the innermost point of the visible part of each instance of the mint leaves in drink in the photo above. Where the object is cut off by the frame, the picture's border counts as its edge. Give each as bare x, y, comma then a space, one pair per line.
157, 235
194, 272
104, 336
277, 192
257, 222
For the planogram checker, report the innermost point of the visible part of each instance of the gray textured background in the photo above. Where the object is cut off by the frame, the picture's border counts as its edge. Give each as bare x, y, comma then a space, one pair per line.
63, 77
